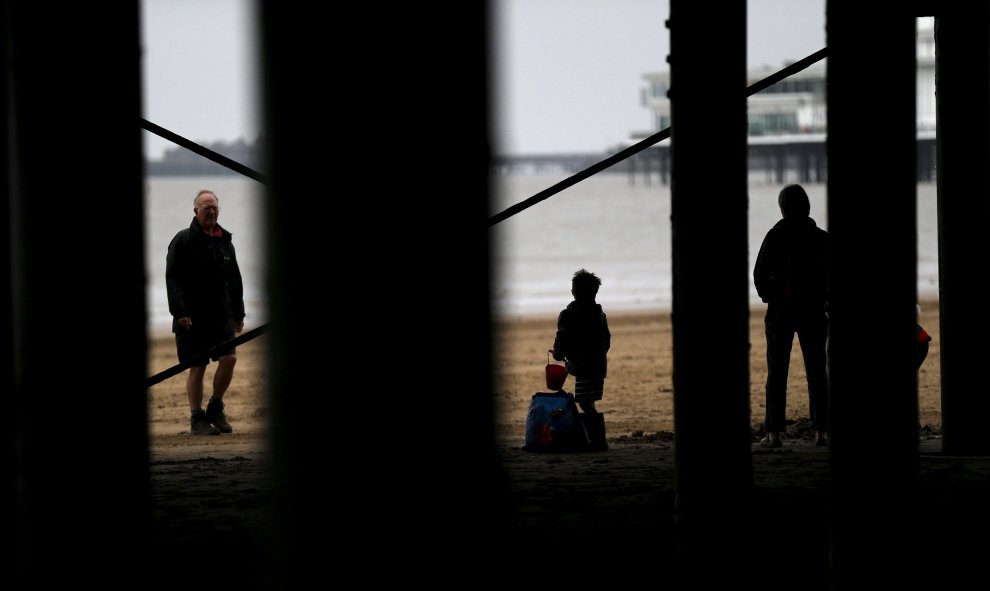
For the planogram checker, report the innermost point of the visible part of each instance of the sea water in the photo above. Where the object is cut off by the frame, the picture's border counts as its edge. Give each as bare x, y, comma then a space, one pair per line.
618, 227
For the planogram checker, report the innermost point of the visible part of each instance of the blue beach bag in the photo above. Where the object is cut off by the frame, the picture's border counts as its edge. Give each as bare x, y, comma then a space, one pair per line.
553, 424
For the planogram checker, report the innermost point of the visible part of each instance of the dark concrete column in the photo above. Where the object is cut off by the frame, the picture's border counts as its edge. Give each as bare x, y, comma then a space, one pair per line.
962, 49
963, 174
872, 224
78, 333
378, 271
710, 286
8, 519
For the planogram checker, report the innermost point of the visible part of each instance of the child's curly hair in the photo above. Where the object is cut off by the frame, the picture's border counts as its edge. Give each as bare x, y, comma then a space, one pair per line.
585, 284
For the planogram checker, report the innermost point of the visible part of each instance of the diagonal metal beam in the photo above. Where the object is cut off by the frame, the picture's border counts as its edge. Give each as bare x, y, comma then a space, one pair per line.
204, 152
645, 143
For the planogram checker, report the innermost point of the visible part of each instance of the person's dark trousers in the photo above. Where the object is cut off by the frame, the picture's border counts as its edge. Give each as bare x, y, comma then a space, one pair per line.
812, 332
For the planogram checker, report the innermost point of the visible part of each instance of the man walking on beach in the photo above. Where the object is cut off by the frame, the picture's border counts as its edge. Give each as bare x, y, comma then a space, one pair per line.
206, 301
791, 276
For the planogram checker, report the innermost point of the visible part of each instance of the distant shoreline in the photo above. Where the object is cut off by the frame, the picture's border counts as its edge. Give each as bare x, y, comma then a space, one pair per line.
928, 301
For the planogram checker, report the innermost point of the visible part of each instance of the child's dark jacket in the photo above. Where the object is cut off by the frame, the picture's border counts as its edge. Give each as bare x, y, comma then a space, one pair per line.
583, 339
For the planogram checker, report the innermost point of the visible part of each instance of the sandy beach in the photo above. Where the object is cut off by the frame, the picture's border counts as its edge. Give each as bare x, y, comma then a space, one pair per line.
620, 500
638, 397
639, 389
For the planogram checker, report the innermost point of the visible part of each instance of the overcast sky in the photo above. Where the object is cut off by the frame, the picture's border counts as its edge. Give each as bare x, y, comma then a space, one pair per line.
568, 73
199, 69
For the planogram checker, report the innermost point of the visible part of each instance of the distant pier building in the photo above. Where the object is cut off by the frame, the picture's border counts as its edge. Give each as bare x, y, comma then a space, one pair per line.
788, 120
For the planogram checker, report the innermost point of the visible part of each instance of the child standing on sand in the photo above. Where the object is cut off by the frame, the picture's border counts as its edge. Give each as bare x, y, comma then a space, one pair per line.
582, 342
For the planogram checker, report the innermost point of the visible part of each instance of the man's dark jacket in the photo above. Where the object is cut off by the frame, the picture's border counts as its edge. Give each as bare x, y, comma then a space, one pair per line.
792, 266
202, 278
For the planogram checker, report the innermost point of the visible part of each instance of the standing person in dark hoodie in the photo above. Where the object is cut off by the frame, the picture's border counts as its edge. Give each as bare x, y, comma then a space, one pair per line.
582, 342
791, 276
206, 300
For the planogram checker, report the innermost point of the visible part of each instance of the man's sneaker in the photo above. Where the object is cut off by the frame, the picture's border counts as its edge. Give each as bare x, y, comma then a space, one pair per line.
214, 414
201, 425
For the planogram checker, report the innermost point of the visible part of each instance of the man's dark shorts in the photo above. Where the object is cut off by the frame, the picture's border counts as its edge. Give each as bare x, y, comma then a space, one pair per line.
199, 339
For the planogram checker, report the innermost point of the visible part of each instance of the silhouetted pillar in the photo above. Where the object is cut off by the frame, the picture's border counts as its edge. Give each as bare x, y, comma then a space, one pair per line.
963, 104
380, 378
926, 161
873, 229
963, 175
75, 197
710, 287
8, 519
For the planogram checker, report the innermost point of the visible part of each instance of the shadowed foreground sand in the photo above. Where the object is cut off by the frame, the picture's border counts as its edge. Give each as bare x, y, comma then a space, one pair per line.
618, 502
